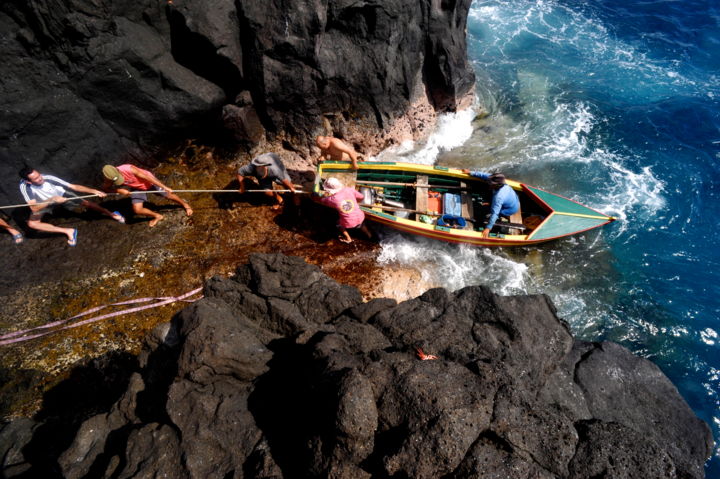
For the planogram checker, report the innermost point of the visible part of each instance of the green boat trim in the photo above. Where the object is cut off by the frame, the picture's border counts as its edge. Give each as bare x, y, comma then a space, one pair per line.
549, 216
560, 204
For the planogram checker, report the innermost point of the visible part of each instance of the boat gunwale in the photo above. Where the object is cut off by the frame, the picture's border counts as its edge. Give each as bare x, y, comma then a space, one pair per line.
459, 235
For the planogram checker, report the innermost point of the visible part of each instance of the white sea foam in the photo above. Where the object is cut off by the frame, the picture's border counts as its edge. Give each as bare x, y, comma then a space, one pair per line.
639, 194
550, 66
558, 138
455, 266
551, 134
453, 129
496, 28
561, 134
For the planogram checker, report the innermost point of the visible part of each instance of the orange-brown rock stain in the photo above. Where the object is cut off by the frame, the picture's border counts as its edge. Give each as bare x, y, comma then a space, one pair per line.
176, 256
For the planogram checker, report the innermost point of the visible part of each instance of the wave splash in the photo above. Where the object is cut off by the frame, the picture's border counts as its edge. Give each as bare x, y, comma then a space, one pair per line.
538, 132
455, 266
452, 130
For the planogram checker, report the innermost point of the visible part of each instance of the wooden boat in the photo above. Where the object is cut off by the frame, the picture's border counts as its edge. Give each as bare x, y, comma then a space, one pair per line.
406, 196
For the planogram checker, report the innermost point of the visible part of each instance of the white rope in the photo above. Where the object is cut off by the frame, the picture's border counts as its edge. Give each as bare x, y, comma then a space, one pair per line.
51, 202
151, 192
215, 191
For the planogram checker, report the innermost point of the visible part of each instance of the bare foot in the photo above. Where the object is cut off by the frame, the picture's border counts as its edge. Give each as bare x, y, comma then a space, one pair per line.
345, 240
188, 210
276, 207
155, 220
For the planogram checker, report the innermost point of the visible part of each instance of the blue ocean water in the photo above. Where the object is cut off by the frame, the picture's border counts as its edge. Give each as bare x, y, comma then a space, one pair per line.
614, 104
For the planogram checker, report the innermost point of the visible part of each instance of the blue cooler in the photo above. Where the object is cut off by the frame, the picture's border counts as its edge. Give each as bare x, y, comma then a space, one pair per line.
452, 204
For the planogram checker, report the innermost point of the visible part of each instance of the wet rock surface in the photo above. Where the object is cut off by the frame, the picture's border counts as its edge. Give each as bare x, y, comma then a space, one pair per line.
282, 372
47, 281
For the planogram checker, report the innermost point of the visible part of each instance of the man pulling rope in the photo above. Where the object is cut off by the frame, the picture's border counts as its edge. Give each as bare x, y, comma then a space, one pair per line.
36, 187
139, 180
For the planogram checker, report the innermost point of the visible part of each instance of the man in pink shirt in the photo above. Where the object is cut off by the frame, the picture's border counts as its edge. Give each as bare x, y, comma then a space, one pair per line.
344, 200
137, 179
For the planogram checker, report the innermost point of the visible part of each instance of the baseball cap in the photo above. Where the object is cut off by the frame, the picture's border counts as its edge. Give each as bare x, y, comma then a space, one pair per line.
113, 174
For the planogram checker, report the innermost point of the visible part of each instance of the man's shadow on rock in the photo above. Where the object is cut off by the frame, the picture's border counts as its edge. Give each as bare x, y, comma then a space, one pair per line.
299, 214
309, 219
227, 200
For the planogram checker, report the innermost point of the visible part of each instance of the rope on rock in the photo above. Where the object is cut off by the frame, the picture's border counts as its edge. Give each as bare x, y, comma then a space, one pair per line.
153, 192
217, 191
37, 332
50, 202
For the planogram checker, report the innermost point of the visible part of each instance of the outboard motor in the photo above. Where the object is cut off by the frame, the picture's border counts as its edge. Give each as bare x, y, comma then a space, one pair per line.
368, 196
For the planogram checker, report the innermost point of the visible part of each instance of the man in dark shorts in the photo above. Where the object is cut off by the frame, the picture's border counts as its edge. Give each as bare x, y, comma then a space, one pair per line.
265, 170
45, 192
129, 179
505, 201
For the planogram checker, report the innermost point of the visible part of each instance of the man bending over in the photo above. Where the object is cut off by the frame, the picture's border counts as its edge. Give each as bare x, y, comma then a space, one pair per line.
45, 192
134, 179
336, 150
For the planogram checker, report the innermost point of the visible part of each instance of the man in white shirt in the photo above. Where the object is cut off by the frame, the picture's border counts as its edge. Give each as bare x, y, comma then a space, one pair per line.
44, 192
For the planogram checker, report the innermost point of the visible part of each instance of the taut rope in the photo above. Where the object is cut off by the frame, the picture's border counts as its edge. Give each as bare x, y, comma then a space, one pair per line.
151, 192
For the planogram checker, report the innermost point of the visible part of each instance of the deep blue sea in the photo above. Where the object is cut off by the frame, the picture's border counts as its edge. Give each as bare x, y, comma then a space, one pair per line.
615, 104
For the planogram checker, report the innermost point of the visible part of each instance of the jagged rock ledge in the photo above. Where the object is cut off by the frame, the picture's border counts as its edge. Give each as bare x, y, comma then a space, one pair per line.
282, 372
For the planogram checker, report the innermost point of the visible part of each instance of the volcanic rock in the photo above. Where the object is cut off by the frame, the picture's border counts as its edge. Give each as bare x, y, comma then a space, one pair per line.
87, 82
281, 372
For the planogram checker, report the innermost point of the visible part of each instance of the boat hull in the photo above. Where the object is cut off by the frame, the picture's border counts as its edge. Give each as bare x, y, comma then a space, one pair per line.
558, 216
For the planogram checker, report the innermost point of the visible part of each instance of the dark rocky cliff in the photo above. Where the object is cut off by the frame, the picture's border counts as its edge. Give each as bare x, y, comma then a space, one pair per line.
282, 372
90, 81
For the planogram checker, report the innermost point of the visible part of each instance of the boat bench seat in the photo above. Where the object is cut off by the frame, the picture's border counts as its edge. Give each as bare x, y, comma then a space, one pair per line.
421, 194
517, 219
467, 205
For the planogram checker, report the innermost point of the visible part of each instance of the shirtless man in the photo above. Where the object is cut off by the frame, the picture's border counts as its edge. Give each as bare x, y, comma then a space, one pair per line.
336, 150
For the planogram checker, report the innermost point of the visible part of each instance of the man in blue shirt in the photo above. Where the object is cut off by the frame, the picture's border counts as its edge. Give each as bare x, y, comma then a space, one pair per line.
505, 201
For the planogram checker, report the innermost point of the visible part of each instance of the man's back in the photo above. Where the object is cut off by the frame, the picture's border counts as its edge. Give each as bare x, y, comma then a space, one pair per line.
507, 199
